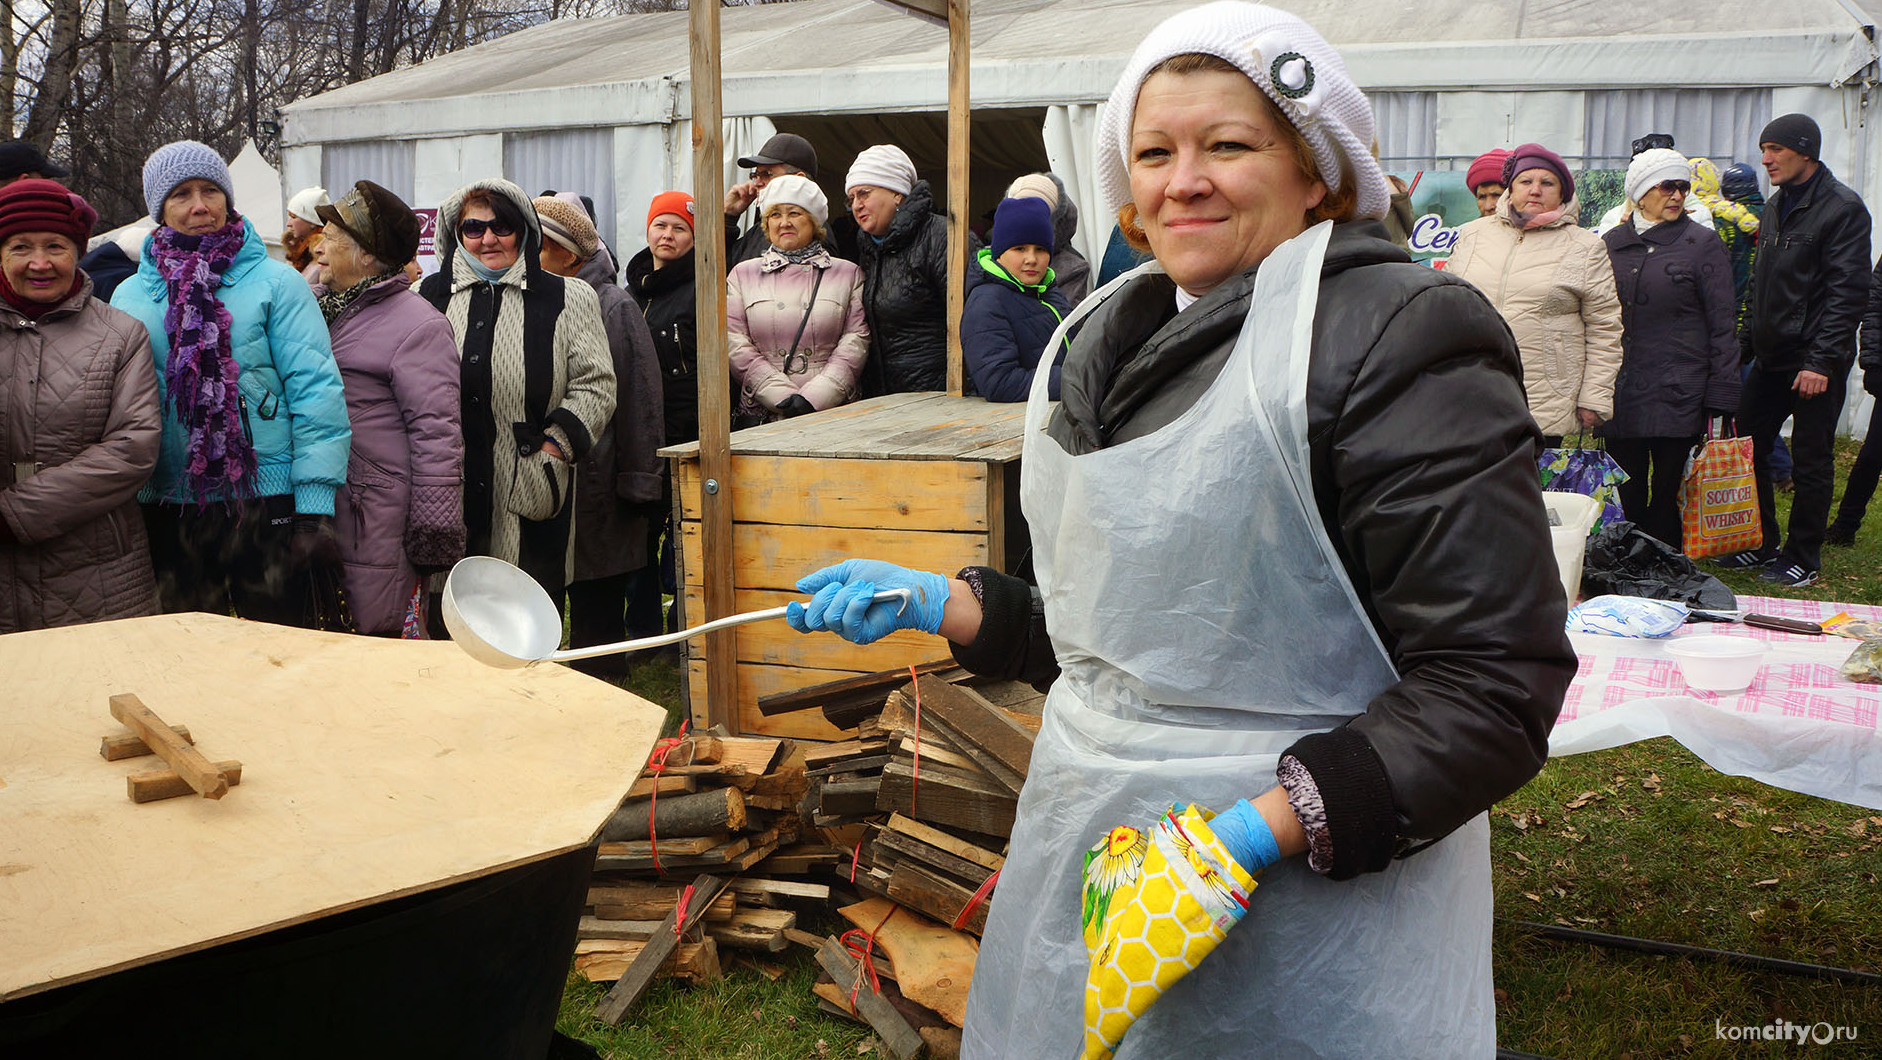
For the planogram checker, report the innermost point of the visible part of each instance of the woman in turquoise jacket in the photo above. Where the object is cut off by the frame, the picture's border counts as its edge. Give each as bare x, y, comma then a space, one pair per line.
255, 435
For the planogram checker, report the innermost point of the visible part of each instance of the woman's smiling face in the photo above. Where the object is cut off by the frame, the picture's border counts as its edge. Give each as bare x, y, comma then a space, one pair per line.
1216, 181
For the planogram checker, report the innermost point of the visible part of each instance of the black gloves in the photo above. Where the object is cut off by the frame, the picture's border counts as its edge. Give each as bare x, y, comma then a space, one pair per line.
313, 543
795, 405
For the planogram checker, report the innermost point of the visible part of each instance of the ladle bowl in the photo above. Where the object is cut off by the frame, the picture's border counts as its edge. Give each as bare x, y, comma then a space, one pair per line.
501, 617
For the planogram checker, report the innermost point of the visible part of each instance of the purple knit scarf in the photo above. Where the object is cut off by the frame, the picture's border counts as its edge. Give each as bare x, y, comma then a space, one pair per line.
200, 373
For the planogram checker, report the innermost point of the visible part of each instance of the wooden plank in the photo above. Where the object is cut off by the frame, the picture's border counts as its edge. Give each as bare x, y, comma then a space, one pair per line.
902, 1040
960, 127
775, 557
717, 856
893, 494
850, 420
639, 974
154, 784
830, 754
861, 691
981, 729
955, 845
130, 745
719, 543
934, 964
923, 426
607, 960
948, 797
666, 784
677, 846
940, 898
943, 862
755, 929
749, 887
648, 901
200, 773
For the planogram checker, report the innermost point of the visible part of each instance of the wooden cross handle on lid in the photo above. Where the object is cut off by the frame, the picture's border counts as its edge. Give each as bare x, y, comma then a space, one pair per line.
197, 771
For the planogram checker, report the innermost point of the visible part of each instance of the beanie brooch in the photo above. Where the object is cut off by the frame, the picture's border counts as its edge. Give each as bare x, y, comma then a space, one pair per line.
1291, 79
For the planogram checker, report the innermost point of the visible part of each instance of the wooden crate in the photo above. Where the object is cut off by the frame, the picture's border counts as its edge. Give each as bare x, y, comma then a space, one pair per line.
923, 480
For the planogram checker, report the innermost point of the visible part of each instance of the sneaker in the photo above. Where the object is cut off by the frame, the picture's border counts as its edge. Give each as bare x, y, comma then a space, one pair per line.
1751, 560
1794, 575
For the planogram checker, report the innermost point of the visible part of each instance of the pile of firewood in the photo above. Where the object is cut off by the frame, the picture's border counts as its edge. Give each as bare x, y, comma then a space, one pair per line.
902, 828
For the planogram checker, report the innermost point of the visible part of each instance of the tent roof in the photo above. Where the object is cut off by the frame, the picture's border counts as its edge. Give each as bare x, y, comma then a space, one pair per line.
867, 56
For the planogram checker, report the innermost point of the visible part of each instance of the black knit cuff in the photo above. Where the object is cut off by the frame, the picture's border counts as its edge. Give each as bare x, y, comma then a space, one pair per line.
1362, 821
579, 438
1006, 616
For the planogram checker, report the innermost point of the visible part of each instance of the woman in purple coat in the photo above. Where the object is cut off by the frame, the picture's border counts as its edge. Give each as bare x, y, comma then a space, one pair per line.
1679, 353
400, 515
794, 315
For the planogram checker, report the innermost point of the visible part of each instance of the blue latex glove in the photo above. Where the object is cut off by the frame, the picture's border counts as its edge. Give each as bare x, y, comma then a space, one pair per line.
844, 602
1246, 834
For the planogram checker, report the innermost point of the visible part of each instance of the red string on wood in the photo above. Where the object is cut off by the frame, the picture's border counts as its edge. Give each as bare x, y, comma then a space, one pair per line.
967, 911
679, 912
864, 952
856, 857
914, 782
656, 764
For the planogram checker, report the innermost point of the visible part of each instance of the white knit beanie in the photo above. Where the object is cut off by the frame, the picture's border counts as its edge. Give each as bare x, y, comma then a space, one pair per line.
796, 191
305, 204
1291, 64
1037, 185
882, 166
1651, 167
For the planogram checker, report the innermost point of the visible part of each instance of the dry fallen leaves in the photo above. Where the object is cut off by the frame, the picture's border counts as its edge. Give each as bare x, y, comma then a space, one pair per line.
1583, 799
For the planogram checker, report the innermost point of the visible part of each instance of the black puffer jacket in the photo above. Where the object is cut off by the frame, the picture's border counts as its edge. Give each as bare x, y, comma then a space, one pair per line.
905, 298
666, 300
1870, 356
1679, 350
1809, 279
1423, 462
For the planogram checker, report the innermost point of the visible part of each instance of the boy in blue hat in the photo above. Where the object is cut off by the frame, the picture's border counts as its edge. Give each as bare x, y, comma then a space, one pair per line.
1013, 306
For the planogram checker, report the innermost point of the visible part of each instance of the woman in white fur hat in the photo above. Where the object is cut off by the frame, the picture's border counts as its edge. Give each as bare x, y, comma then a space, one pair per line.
1293, 567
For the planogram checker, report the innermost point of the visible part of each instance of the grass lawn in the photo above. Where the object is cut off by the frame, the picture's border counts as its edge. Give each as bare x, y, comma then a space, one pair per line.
1643, 840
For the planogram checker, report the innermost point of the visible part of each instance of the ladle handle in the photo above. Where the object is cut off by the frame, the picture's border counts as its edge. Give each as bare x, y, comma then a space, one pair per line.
661, 641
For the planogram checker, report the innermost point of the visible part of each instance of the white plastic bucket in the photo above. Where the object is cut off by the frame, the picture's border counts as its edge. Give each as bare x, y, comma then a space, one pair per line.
1571, 517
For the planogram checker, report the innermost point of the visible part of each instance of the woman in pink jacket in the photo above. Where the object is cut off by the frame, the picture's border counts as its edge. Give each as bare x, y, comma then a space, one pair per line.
794, 315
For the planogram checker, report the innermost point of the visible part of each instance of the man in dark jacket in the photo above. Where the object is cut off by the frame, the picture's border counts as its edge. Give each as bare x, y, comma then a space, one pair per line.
1809, 289
1868, 467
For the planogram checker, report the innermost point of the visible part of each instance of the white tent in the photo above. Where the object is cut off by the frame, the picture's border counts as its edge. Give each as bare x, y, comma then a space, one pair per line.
601, 105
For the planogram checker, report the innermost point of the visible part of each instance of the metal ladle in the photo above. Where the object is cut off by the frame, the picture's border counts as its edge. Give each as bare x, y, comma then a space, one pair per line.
501, 617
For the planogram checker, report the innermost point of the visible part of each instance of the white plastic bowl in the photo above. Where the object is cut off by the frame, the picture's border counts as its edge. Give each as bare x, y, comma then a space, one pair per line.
1718, 664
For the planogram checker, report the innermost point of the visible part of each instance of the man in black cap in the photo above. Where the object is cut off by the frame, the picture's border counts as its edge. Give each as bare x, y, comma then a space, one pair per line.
783, 154
1809, 288
21, 159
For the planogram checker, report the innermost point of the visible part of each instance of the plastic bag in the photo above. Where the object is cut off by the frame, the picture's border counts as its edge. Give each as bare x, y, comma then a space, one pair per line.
1626, 616
1585, 467
1864, 665
1624, 561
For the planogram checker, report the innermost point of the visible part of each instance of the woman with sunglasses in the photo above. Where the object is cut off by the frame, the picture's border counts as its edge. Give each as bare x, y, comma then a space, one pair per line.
536, 377
794, 314
1680, 353
1551, 280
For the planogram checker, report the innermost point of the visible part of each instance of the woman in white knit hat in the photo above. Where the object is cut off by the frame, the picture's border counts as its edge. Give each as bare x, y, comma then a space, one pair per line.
902, 247
794, 314
1679, 343
1293, 567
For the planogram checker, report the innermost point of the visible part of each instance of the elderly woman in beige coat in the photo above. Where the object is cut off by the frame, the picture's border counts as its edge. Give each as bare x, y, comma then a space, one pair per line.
79, 426
1553, 282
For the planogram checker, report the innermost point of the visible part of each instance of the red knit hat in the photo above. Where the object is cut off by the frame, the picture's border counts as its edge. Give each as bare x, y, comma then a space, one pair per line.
45, 206
1486, 169
677, 203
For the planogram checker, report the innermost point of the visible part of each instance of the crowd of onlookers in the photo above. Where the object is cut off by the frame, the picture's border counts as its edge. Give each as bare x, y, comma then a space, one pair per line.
315, 442
1693, 302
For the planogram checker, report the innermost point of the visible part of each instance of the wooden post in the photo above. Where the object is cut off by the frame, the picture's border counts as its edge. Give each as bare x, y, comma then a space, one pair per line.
715, 412
959, 115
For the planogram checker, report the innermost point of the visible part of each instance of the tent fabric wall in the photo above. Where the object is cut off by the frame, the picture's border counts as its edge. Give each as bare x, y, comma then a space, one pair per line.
1407, 128
387, 163
577, 160
1717, 123
1071, 135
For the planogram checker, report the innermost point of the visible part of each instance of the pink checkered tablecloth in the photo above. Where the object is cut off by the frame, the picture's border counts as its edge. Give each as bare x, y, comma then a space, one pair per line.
1802, 684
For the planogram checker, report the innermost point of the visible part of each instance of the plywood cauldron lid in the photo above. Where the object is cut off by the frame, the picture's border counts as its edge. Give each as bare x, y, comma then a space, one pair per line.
371, 769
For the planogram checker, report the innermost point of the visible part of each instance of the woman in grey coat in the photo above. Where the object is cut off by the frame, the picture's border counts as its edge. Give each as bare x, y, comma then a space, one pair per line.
79, 426
1679, 355
400, 515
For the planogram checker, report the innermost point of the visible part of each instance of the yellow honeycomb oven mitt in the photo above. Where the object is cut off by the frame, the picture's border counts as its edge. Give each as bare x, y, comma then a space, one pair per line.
1156, 902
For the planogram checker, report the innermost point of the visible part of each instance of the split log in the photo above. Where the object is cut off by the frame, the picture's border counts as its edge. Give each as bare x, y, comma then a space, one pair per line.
702, 813
902, 1040
754, 929
934, 964
639, 974
605, 961
943, 899
949, 797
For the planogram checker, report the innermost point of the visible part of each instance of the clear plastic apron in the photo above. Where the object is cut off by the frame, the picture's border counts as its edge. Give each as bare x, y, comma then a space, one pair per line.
1203, 624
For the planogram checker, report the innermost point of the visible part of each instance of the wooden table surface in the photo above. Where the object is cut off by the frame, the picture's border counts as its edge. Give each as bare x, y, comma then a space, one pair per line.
371, 769
922, 426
